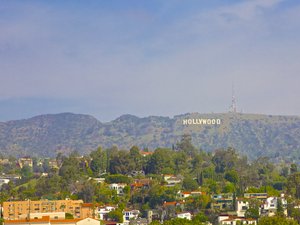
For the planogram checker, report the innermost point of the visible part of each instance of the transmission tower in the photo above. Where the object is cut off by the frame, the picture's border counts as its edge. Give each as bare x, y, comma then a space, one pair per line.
233, 101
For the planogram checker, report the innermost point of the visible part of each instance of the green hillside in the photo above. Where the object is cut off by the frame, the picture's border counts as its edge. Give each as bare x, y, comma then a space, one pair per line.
253, 135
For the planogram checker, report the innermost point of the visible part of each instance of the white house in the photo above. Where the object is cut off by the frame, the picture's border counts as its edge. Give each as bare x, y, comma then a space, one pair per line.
241, 207
184, 215
269, 208
232, 220
184, 194
102, 211
129, 215
118, 187
172, 180
3, 181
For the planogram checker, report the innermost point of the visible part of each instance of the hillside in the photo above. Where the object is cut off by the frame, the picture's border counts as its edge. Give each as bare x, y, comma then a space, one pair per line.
253, 135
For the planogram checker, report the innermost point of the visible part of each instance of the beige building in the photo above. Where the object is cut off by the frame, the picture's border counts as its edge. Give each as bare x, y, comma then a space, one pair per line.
25, 162
45, 220
52, 215
16, 210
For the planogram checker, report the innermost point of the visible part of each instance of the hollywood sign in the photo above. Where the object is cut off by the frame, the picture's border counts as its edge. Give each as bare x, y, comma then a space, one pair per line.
201, 121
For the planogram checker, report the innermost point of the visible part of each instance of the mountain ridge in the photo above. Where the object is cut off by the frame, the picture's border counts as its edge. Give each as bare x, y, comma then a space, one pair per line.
251, 134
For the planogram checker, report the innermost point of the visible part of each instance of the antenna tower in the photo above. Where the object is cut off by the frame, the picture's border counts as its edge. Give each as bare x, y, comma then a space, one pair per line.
233, 101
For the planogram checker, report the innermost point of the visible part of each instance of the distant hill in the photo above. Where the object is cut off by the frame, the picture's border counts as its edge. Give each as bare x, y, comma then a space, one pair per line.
253, 135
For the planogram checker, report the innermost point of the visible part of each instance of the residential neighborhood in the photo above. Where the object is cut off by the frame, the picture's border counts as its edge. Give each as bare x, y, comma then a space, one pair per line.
173, 186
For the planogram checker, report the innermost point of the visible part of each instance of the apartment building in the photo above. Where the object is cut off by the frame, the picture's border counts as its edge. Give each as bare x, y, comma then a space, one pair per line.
16, 210
46, 220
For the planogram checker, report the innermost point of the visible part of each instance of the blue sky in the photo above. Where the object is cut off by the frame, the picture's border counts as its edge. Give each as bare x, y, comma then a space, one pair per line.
141, 57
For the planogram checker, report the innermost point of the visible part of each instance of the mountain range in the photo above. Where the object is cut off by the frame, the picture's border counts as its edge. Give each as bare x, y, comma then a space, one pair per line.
251, 134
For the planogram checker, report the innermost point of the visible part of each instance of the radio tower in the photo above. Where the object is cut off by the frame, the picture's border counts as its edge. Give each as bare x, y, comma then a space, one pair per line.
233, 101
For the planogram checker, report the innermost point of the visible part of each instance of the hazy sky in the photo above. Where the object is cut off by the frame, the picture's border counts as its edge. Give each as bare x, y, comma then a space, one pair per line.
148, 57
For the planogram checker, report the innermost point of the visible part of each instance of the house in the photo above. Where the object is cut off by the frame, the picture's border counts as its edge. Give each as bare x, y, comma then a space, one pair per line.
26, 161
260, 196
234, 221
98, 180
269, 208
102, 211
173, 204
172, 180
4, 181
118, 187
88, 210
222, 201
4, 161
184, 215
225, 219
135, 173
130, 215
184, 194
170, 208
241, 207
140, 184
53, 164
197, 193
144, 154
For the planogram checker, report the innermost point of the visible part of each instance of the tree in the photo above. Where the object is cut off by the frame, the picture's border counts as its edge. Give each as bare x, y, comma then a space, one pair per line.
136, 158
293, 185
178, 221
120, 163
189, 184
253, 210
294, 168
70, 169
155, 222
225, 159
49, 186
104, 194
199, 218
280, 209
87, 192
284, 171
275, 220
161, 159
186, 145
26, 172
99, 161
158, 194
181, 162
116, 215
69, 216
197, 203
117, 178
228, 188
232, 176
